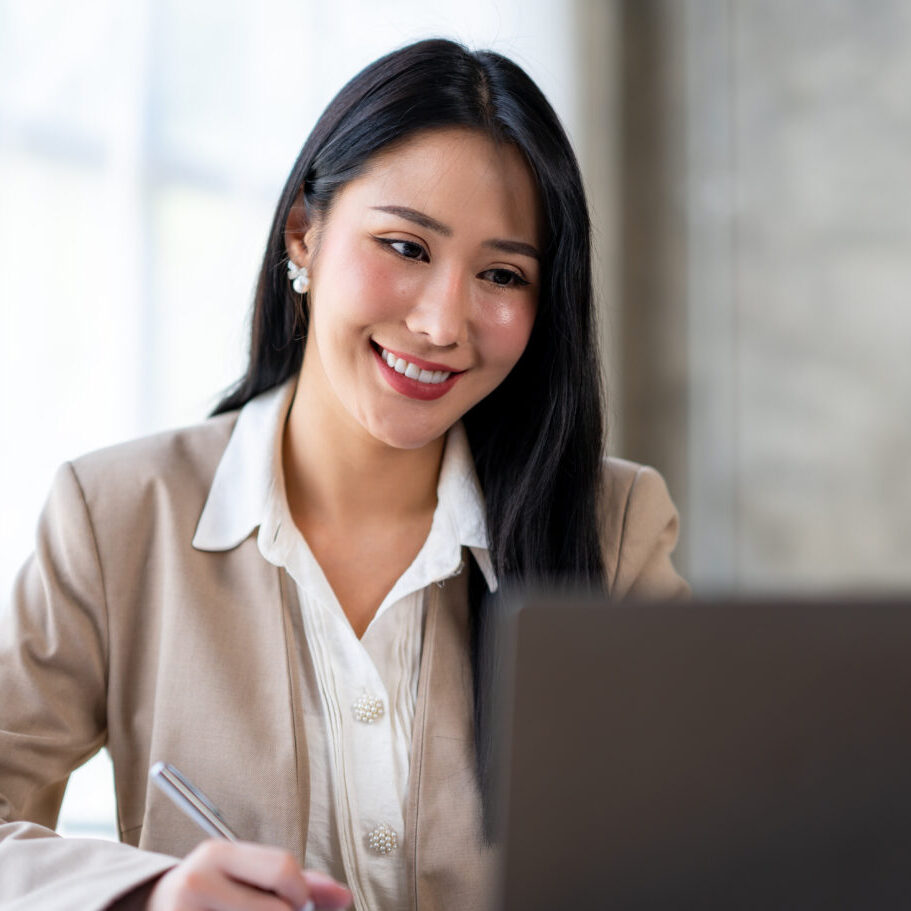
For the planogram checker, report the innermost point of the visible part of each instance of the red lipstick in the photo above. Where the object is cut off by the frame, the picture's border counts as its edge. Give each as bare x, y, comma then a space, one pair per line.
415, 389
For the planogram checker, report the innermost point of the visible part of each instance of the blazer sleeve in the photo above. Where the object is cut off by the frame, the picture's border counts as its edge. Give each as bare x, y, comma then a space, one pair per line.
53, 681
641, 530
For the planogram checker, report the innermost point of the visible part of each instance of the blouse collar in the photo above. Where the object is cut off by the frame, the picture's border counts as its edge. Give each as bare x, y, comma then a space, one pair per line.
251, 468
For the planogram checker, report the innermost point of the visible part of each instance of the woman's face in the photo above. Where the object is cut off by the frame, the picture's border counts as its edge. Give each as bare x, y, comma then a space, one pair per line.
428, 264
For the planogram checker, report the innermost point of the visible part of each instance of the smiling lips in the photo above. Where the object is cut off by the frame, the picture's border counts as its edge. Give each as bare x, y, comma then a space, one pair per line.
416, 380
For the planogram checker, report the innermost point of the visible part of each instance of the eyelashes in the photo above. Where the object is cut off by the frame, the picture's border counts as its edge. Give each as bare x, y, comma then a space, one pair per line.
411, 250
509, 278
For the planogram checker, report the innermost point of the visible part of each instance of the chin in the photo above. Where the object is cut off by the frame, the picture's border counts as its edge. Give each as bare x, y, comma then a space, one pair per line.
400, 437
400, 441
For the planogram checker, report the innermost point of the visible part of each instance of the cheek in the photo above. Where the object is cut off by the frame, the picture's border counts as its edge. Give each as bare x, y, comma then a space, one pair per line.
508, 330
367, 284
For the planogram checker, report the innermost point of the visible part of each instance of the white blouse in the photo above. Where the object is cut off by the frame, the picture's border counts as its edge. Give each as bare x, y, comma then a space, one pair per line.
359, 694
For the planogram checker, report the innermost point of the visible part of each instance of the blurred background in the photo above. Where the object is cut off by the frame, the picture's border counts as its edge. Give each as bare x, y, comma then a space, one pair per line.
747, 163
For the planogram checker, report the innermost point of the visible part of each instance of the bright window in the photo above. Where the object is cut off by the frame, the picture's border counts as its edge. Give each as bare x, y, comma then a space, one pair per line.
142, 149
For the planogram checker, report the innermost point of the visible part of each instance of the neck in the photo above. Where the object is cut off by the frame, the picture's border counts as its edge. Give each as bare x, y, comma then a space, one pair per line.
336, 470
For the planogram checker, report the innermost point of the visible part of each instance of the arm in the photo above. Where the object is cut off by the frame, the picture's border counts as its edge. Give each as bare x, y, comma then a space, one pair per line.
53, 682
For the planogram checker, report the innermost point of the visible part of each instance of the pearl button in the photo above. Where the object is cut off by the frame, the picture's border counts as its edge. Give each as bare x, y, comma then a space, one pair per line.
368, 708
383, 840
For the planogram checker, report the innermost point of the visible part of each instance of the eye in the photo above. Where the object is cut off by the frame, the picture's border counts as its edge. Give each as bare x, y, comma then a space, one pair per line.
407, 249
505, 278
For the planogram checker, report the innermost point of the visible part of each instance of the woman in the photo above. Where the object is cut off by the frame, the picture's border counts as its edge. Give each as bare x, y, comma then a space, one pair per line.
286, 601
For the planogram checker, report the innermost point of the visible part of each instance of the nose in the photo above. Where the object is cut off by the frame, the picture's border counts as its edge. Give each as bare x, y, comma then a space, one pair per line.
441, 313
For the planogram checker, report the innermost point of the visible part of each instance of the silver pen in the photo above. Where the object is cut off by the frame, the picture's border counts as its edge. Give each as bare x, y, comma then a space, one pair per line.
195, 804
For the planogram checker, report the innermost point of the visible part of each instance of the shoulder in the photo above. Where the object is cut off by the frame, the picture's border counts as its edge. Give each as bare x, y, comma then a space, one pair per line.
108, 511
176, 466
640, 526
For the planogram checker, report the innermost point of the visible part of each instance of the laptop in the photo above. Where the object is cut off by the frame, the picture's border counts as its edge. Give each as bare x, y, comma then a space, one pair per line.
725, 755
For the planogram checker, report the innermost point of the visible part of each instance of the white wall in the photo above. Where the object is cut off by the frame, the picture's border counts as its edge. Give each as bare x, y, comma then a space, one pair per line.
799, 266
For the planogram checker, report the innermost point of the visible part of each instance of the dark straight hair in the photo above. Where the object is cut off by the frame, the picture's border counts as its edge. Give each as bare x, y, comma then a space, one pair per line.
537, 438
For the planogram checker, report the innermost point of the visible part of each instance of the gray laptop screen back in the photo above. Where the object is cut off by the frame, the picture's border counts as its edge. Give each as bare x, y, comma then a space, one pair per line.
710, 756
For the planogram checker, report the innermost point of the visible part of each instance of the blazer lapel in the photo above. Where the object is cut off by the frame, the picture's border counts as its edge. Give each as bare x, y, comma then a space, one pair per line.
294, 645
232, 690
448, 865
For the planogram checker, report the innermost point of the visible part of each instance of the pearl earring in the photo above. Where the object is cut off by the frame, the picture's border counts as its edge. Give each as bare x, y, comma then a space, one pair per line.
300, 278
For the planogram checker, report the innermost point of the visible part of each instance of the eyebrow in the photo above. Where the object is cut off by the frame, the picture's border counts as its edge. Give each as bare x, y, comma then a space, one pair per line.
425, 221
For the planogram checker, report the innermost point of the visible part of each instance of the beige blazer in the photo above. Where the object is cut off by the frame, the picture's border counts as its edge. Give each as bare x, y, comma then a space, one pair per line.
121, 635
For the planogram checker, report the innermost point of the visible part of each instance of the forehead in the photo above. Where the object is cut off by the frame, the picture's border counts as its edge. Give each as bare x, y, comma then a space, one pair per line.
458, 176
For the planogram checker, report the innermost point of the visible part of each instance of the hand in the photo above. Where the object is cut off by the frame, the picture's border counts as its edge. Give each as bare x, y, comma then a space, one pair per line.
241, 876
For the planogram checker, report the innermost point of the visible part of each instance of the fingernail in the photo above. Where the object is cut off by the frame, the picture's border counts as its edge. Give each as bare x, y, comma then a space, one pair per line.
309, 907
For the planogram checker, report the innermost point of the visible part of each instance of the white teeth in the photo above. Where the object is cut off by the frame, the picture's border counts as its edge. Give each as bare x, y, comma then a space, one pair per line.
400, 365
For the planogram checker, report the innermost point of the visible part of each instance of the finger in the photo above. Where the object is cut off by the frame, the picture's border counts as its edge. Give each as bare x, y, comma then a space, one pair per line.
218, 893
267, 868
325, 892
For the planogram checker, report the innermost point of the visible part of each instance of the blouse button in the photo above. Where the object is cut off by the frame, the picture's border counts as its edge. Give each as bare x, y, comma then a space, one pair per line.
383, 840
368, 708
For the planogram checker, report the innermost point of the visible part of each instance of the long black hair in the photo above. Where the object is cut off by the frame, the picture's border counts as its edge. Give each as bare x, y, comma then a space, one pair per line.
537, 438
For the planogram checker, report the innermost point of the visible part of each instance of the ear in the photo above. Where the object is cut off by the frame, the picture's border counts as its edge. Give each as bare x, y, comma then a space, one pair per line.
300, 234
